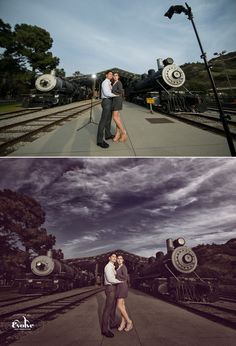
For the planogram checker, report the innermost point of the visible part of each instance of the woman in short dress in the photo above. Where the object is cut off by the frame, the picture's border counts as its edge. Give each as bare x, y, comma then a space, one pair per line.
117, 89
121, 294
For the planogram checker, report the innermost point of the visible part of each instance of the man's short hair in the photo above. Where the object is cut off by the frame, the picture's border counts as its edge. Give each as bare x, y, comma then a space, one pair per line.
108, 71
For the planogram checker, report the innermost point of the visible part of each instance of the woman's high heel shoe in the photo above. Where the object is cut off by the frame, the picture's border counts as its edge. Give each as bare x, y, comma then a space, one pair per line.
123, 137
122, 326
117, 136
129, 326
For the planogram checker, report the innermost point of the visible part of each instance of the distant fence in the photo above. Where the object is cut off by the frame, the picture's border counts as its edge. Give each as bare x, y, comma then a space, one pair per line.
7, 102
6, 283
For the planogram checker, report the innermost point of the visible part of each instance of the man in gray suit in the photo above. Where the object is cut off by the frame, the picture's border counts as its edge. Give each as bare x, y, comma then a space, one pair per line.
109, 312
105, 121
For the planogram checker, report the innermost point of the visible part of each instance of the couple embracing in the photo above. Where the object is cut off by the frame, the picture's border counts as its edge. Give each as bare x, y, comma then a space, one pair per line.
116, 290
112, 98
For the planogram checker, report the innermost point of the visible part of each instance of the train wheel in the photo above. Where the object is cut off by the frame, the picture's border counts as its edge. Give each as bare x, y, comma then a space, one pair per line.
173, 294
25, 103
22, 289
165, 108
56, 288
212, 297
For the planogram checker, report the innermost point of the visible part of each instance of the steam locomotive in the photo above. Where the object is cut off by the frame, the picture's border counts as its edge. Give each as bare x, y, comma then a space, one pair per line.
54, 91
52, 275
173, 275
162, 86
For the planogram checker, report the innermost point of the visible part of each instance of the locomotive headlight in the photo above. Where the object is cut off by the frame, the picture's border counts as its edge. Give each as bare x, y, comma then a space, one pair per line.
56, 96
179, 242
30, 281
55, 281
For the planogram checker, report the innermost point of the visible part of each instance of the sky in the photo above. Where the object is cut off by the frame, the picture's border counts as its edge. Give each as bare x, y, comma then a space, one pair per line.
94, 206
92, 36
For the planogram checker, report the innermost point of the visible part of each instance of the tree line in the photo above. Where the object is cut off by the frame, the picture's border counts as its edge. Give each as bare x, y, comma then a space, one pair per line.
21, 233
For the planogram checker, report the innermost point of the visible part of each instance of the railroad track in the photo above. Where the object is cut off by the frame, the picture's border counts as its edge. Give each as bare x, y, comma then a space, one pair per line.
226, 110
26, 130
40, 312
16, 114
205, 121
221, 311
19, 299
214, 118
9, 115
228, 299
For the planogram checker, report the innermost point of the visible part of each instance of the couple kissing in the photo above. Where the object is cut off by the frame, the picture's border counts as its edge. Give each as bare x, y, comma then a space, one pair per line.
116, 290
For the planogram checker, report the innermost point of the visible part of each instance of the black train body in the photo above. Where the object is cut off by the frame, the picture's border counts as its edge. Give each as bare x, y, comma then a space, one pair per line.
52, 275
162, 86
173, 275
54, 91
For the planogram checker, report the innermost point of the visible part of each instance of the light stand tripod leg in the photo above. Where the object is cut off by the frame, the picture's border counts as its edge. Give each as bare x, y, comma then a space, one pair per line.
91, 121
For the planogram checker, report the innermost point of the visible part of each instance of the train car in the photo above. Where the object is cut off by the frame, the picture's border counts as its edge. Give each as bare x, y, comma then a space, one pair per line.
173, 275
52, 275
54, 91
163, 86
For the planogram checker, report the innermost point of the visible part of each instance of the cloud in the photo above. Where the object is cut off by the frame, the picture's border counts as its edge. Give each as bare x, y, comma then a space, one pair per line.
92, 36
96, 205
201, 181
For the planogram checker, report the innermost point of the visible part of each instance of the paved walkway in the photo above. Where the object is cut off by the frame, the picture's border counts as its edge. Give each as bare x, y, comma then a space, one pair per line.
156, 323
170, 138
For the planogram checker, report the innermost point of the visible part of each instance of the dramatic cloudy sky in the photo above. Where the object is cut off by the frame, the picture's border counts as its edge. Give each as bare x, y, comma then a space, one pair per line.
92, 35
98, 205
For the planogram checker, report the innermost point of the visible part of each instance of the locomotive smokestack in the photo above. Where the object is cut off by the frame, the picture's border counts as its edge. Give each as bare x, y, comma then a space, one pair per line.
49, 253
169, 245
160, 65
53, 73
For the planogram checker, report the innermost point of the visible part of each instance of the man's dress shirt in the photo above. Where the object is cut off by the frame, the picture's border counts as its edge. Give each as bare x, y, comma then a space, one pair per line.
110, 274
106, 89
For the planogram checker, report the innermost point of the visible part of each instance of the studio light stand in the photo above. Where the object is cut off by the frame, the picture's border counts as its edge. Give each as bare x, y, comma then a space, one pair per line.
188, 11
90, 121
